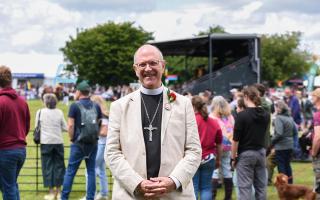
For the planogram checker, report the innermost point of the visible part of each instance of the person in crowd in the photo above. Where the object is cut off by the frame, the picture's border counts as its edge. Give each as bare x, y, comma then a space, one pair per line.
305, 142
14, 127
222, 113
47, 89
206, 97
315, 153
83, 131
234, 100
248, 146
65, 96
211, 138
294, 105
265, 103
282, 139
153, 148
293, 102
271, 154
52, 150
240, 107
100, 162
307, 112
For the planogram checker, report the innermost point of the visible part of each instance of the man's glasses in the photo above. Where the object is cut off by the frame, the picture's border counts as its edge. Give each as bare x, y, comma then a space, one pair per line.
151, 63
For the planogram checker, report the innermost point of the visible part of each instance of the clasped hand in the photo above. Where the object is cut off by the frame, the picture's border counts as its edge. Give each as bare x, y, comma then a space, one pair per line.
156, 187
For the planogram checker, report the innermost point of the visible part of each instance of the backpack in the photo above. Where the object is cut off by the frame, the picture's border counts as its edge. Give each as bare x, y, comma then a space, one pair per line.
89, 129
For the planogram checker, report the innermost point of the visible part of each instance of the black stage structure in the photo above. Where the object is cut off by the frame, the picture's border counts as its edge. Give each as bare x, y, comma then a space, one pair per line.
234, 60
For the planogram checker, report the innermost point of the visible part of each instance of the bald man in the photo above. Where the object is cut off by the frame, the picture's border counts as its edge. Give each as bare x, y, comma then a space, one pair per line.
153, 147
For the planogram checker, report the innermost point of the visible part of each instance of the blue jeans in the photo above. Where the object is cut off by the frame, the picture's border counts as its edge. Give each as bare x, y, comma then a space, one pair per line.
11, 162
225, 168
283, 158
101, 170
202, 180
77, 154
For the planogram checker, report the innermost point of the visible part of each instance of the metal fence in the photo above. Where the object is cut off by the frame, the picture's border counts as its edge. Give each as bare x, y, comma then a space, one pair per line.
30, 178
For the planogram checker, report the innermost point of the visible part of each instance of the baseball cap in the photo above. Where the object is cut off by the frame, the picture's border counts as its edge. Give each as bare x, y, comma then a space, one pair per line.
83, 86
233, 90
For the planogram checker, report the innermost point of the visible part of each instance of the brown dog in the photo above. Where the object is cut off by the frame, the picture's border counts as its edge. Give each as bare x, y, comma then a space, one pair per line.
292, 192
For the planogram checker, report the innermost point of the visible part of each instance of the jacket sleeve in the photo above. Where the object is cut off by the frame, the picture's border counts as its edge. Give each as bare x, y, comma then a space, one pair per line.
36, 119
187, 167
27, 120
64, 126
119, 166
278, 131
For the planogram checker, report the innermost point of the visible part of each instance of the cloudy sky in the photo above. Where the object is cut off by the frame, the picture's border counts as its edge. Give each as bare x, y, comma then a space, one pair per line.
32, 31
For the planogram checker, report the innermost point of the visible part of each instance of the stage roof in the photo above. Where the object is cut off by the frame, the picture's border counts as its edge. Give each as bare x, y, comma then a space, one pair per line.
199, 46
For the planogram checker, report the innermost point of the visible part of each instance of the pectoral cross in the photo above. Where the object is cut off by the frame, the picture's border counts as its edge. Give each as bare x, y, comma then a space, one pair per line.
150, 129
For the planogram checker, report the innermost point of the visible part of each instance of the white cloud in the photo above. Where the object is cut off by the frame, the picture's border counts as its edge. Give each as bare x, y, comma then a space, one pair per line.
28, 37
246, 11
35, 25
109, 5
31, 62
34, 30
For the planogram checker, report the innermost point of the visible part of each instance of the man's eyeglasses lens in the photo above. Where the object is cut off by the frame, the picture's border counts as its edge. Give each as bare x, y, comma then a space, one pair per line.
151, 63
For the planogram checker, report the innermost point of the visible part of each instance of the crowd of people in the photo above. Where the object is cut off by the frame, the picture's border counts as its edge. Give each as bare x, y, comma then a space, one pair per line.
157, 142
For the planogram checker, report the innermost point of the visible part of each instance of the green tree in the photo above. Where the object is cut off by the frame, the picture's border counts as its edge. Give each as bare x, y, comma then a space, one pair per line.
212, 29
104, 54
281, 58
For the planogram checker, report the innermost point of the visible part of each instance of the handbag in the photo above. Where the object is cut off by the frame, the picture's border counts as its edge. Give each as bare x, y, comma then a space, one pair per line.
37, 131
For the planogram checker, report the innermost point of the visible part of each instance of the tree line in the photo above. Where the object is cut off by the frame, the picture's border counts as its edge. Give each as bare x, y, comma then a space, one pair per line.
103, 54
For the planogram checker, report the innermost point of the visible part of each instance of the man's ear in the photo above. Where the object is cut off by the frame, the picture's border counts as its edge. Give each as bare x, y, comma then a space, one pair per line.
135, 70
163, 65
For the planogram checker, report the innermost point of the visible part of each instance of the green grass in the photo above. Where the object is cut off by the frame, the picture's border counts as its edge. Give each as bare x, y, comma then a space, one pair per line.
302, 172
28, 182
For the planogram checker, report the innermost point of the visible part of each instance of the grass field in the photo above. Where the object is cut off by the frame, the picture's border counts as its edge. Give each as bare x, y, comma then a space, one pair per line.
302, 172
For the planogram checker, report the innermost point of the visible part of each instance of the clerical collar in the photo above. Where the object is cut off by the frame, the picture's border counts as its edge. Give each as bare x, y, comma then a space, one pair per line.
151, 91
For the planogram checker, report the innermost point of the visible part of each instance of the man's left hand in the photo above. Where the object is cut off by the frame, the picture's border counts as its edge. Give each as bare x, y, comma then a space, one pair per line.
163, 182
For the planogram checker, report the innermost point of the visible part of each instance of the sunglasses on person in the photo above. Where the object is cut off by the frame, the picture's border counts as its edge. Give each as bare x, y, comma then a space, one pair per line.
151, 63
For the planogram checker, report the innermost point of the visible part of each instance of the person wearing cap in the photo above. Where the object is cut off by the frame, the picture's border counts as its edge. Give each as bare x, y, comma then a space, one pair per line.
153, 148
315, 151
80, 151
14, 127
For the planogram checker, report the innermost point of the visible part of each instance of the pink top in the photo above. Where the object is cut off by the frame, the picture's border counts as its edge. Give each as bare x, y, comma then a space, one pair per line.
316, 118
227, 125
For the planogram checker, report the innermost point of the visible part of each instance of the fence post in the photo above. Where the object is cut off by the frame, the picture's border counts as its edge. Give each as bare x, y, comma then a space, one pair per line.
37, 168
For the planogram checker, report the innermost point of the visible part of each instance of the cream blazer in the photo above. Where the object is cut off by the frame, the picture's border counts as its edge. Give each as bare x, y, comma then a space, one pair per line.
125, 151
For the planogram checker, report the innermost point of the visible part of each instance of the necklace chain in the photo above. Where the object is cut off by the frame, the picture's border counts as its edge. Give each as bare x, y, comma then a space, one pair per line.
155, 113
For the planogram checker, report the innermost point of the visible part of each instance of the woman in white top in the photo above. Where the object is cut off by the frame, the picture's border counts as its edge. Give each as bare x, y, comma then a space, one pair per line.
52, 123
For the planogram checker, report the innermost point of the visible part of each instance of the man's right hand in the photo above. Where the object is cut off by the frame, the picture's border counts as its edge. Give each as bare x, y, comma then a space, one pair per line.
146, 185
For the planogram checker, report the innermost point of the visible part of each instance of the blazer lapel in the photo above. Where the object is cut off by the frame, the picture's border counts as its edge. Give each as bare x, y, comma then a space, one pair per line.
135, 113
166, 113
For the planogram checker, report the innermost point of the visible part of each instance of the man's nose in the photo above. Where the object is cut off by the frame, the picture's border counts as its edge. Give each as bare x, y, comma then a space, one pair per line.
148, 67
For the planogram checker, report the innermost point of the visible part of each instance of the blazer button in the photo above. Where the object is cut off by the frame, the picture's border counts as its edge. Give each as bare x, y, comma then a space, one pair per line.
143, 153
